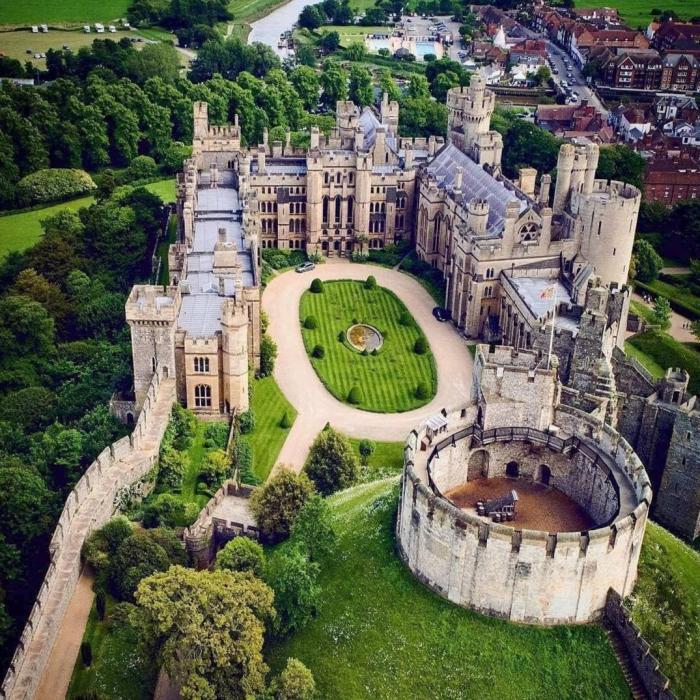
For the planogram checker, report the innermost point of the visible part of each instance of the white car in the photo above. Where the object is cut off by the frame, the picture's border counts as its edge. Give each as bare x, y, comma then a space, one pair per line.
305, 267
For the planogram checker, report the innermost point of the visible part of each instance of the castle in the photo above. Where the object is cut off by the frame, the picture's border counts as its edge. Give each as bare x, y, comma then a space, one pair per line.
525, 266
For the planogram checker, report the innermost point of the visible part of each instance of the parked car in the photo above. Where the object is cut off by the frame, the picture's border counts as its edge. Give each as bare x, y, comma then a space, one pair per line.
305, 267
441, 314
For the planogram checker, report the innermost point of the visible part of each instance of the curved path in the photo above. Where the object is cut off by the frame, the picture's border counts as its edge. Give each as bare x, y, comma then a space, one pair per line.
302, 387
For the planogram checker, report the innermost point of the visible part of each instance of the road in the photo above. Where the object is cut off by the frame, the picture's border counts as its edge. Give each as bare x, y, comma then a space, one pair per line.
304, 390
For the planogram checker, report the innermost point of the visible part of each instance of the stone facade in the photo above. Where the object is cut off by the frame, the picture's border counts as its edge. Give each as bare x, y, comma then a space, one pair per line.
523, 575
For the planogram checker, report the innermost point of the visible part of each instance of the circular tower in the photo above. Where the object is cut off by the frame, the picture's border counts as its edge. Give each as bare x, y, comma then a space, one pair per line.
469, 111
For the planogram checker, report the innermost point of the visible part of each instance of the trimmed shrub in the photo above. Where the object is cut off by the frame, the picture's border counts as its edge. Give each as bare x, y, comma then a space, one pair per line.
365, 352
420, 347
375, 352
405, 319
53, 185
355, 395
246, 421
371, 282
316, 286
310, 323
422, 391
341, 336
140, 168
286, 421
319, 352
86, 654
100, 604
241, 554
216, 434
367, 447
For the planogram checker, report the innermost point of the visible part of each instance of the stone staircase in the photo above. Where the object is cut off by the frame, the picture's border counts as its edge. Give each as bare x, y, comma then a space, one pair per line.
92, 512
634, 682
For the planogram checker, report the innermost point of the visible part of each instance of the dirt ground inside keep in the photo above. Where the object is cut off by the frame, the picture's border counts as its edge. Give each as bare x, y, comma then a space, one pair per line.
539, 507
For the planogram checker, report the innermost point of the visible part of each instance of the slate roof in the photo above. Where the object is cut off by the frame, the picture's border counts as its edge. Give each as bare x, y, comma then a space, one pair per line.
476, 183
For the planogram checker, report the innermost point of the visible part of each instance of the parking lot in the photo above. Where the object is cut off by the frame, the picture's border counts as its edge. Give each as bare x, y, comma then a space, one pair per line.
429, 25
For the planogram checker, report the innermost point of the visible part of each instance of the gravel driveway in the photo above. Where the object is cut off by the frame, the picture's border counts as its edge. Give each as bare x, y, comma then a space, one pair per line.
302, 387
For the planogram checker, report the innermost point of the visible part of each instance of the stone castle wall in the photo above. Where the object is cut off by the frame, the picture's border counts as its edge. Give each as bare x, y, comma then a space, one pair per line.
521, 575
88, 506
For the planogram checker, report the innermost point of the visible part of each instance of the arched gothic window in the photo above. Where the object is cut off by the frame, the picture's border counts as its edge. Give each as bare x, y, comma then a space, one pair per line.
351, 209
528, 232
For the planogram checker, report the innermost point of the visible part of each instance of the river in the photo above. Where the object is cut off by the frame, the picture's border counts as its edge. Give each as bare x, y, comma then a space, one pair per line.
268, 29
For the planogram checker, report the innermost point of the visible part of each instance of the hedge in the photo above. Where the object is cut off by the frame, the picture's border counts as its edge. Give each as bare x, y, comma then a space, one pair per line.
678, 304
53, 185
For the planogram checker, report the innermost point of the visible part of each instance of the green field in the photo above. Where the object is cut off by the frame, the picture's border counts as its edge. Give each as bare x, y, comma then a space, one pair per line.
682, 299
118, 671
637, 13
352, 34
388, 380
381, 634
386, 460
651, 366
267, 438
666, 607
23, 230
666, 351
61, 12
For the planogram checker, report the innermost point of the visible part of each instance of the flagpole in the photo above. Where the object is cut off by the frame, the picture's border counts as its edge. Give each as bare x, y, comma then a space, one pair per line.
551, 334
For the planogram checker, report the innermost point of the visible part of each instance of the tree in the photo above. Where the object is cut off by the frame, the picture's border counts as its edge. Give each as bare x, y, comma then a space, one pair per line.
333, 84
620, 162
329, 42
278, 501
25, 505
420, 347
216, 467
366, 448
294, 683
268, 353
294, 579
206, 630
647, 262
313, 528
422, 392
332, 464
661, 313
316, 286
241, 554
306, 83
361, 92
136, 557
311, 17
542, 75
355, 395
171, 468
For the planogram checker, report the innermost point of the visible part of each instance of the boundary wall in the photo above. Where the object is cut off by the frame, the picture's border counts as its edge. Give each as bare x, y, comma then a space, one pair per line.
522, 575
88, 506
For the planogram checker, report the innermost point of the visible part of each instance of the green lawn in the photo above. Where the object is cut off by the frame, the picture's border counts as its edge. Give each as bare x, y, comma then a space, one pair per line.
649, 364
353, 34
637, 13
196, 453
267, 438
381, 634
666, 352
21, 231
61, 11
387, 459
644, 312
684, 301
666, 607
117, 672
388, 380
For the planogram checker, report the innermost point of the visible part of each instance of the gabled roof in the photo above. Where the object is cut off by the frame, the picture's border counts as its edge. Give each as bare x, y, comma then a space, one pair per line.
476, 184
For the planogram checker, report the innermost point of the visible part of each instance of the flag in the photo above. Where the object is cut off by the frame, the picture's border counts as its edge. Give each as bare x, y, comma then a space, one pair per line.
548, 292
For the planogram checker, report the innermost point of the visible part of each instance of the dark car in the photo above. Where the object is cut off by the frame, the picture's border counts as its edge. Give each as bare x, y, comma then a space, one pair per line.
441, 314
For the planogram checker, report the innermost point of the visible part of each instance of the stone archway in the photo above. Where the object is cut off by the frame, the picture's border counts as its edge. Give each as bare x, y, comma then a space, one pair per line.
478, 465
544, 474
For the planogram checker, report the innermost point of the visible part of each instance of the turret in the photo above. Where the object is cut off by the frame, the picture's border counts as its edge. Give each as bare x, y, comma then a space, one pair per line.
201, 120
478, 216
592, 155
234, 325
565, 164
389, 112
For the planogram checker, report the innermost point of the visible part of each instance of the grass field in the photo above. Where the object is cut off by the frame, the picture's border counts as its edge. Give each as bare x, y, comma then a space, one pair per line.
637, 13
386, 460
352, 34
666, 607
666, 351
381, 634
266, 440
651, 366
23, 230
681, 298
388, 380
61, 12
16, 44
117, 672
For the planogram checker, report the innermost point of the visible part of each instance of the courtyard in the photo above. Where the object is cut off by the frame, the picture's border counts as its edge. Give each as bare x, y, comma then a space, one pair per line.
368, 339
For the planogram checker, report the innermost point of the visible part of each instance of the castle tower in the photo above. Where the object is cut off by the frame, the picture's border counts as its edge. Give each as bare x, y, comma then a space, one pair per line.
234, 356
565, 164
389, 112
362, 194
201, 120
478, 216
314, 194
347, 114
151, 312
674, 386
469, 113
592, 156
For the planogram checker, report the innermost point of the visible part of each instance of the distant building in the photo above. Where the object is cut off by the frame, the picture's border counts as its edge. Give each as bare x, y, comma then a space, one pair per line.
669, 180
639, 70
